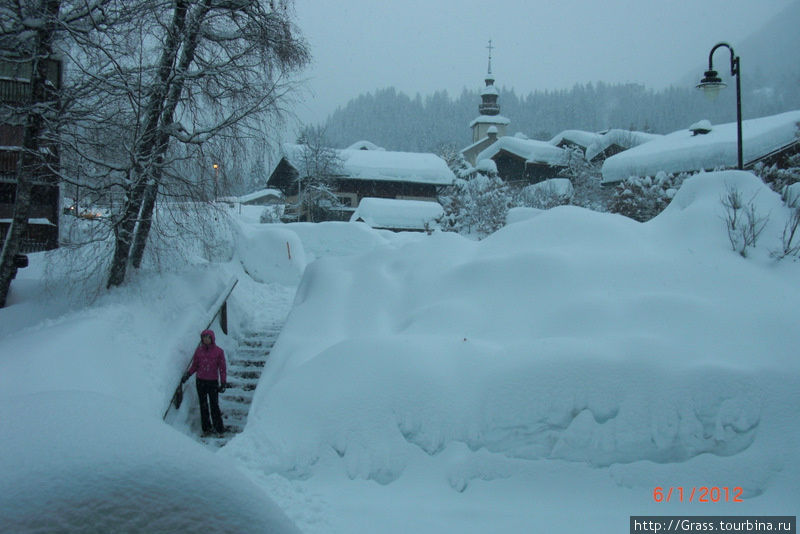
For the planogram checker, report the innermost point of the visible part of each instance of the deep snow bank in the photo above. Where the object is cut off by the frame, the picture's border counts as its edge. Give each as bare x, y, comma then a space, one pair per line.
280, 252
132, 343
573, 335
98, 466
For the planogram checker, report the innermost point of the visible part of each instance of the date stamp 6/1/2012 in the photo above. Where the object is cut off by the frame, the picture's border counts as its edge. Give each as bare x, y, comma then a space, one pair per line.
708, 494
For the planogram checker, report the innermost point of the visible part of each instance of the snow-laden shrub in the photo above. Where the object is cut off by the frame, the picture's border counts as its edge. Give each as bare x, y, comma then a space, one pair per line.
642, 198
779, 177
477, 202
547, 194
271, 214
784, 179
790, 239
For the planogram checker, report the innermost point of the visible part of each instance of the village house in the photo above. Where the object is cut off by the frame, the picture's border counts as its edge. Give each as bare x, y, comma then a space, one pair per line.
42, 232
524, 161
707, 147
367, 171
596, 147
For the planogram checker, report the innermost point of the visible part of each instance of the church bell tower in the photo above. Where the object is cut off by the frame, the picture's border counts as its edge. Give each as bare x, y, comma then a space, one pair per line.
488, 109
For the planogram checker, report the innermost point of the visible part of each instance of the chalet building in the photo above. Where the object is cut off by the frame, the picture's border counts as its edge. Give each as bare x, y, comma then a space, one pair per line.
575, 139
524, 161
707, 147
597, 147
42, 233
362, 172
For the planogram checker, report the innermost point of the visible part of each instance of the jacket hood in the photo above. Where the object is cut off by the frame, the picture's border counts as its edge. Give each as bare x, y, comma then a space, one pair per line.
209, 333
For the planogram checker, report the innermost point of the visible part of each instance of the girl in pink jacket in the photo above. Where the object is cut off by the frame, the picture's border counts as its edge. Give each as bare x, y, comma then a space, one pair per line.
209, 364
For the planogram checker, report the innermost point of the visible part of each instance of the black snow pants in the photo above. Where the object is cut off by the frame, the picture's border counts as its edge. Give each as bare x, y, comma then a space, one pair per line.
208, 394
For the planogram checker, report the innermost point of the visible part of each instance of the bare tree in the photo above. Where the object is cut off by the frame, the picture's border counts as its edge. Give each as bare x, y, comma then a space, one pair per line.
742, 221
224, 65
320, 166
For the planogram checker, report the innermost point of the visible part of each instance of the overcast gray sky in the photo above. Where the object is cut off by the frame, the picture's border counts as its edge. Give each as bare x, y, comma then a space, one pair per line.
420, 46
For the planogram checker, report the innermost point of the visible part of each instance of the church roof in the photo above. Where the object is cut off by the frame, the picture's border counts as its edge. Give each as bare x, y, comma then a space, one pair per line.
490, 119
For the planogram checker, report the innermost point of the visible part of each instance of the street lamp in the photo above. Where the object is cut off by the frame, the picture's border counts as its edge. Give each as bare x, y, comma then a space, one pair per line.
216, 172
712, 84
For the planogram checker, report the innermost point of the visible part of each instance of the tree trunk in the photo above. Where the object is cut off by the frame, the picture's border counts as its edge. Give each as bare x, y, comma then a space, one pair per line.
167, 119
126, 224
145, 223
31, 162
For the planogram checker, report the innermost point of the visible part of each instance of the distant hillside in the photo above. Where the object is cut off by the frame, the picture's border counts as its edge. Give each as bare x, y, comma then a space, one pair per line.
770, 84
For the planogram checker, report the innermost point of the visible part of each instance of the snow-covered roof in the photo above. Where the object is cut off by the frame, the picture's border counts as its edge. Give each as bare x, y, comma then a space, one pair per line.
487, 165
530, 150
384, 165
578, 137
623, 138
259, 194
489, 90
364, 145
397, 214
682, 151
39, 221
554, 186
490, 119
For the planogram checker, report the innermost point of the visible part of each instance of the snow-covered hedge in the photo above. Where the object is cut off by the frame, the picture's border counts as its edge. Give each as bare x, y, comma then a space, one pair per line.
642, 198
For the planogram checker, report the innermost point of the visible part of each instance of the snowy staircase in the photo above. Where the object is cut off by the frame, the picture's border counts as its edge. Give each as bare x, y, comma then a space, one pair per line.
244, 370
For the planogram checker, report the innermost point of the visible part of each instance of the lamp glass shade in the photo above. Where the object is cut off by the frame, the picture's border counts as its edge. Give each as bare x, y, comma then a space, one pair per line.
711, 84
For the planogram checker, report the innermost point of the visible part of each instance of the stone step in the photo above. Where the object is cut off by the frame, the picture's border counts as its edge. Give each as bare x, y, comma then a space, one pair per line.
272, 331
245, 365
242, 384
237, 422
256, 351
234, 410
239, 362
244, 372
257, 342
240, 396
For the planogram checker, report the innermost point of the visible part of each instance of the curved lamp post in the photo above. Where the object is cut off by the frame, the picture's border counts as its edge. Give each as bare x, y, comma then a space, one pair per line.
711, 84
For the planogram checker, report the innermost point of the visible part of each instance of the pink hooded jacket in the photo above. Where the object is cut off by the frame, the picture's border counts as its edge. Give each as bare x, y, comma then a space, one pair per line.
209, 361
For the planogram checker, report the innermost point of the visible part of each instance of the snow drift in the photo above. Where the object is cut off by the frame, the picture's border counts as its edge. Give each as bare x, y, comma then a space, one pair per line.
99, 466
572, 336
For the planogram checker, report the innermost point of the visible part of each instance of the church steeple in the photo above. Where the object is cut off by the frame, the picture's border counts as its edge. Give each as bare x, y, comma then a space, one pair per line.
489, 109
489, 105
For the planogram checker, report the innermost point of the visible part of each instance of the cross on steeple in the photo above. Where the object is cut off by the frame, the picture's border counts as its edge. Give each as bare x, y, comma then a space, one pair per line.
490, 47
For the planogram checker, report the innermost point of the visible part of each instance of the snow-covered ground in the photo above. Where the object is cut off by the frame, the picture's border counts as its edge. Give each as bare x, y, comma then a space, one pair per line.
547, 378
